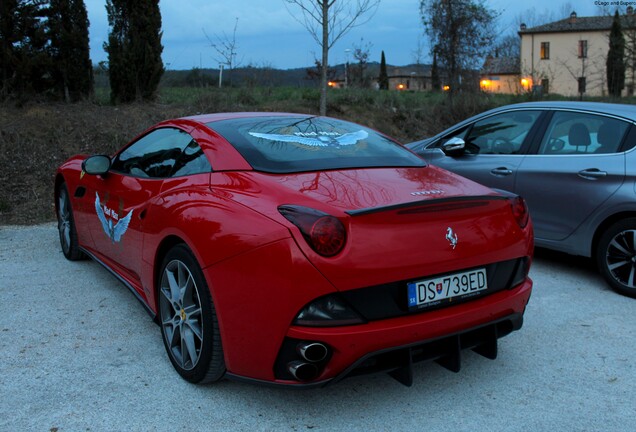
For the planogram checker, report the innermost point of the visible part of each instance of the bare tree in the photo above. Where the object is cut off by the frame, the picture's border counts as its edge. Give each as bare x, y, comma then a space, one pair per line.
588, 73
508, 46
629, 31
361, 54
418, 53
460, 33
566, 10
226, 49
327, 21
533, 18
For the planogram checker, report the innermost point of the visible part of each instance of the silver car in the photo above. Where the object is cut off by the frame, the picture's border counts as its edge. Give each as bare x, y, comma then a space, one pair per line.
574, 163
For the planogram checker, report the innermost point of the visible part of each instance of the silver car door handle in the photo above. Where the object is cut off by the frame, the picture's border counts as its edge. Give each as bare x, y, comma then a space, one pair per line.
592, 174
501, 171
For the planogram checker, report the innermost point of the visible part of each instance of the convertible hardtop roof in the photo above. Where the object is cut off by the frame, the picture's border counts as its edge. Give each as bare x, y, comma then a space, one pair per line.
210, 118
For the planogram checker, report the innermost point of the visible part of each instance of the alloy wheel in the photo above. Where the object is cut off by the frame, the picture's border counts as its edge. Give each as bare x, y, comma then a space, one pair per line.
64, 220
621, 258
181, 317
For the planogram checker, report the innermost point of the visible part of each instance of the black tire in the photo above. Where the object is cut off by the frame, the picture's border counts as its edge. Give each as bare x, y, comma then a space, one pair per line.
188, 320
616, 256
66, 226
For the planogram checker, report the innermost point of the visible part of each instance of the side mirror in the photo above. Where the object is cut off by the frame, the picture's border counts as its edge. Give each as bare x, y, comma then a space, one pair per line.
96, 165
454, 146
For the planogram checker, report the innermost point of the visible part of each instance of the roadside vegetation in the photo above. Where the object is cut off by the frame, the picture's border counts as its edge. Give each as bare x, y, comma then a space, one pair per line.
36, 137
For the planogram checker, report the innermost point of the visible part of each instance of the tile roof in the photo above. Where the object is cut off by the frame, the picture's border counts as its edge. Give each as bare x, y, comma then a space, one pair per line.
578, 24
501, 66
405, 71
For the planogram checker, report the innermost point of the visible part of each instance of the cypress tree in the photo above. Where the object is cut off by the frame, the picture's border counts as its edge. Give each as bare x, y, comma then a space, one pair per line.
24, 59
383, 79
435, 81
616, 59
72, 68
9, 37
134, 49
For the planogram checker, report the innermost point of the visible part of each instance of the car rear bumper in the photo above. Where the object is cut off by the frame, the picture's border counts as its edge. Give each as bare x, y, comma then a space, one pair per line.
393, 345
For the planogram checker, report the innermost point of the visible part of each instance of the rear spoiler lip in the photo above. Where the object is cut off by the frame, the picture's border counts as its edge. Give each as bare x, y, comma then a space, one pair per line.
426, 202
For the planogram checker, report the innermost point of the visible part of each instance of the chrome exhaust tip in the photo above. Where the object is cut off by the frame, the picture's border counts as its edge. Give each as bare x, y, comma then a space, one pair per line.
302, 371
312, 351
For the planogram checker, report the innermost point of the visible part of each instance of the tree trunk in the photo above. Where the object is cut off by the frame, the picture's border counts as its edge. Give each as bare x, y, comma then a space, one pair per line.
325, 57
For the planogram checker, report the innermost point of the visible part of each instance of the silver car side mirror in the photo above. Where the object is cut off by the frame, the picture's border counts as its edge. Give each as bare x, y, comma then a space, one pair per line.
454, 146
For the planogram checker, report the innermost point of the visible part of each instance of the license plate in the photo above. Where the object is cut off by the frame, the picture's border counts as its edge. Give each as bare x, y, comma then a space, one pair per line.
429, 291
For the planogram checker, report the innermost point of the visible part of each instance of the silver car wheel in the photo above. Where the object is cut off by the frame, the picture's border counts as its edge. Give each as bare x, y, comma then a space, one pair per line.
64, 221
66, 225
621, 258
181, 317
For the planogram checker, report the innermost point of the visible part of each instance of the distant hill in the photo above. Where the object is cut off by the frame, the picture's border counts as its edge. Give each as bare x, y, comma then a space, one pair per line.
259, 76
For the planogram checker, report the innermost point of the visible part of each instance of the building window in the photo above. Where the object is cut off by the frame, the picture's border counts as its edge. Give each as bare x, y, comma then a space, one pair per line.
581, 85
545, 50
545, 85
582, 49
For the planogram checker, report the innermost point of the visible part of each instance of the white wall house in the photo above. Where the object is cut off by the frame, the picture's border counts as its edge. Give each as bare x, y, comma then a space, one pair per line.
568, 57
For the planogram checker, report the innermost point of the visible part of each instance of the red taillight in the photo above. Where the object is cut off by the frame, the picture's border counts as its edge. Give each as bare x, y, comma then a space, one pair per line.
324, 233
520, 211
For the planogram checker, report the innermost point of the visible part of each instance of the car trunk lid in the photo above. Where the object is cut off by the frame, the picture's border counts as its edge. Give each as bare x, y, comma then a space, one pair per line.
401, 223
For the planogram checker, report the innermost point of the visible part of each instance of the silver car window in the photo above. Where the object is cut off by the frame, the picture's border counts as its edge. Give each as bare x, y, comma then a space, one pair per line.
503, 133
582, 133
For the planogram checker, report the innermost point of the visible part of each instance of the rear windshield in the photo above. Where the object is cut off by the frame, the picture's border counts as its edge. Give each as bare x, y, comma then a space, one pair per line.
297, 144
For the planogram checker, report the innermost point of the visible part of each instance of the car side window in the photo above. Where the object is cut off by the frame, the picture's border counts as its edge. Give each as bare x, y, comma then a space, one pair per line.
154, 155
192, 161
582, 133
502, 133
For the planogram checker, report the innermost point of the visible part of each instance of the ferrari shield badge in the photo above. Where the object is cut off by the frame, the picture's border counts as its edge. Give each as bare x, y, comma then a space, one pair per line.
116, 231
451, 237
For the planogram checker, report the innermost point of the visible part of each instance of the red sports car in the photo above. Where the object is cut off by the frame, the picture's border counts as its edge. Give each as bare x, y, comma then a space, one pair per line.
298, 250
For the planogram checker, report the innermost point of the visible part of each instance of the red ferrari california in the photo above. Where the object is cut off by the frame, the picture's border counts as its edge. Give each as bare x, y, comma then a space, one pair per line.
299, 250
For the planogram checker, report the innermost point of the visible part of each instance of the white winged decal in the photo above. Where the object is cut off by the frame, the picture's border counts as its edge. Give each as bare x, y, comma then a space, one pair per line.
115, 232
316, 140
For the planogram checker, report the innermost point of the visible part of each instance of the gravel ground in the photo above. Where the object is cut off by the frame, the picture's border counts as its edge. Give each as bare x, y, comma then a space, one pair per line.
79, 353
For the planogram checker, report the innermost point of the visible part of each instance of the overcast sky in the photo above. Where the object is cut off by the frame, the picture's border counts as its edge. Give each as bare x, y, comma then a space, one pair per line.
267, 34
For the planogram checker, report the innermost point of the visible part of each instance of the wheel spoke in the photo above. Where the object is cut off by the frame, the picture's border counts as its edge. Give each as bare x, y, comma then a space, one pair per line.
63, 203
171, 332
189, 297
193, 311
618, 264
614, 243
187, 343
173, 285
67, 235
166, 294
178, 356
630, 281
182, 275
195, 326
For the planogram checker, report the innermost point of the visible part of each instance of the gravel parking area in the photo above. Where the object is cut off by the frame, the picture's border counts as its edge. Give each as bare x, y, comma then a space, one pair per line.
79, 353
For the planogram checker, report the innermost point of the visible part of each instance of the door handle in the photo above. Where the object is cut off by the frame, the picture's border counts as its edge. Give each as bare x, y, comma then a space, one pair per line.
592, 174
501, 171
